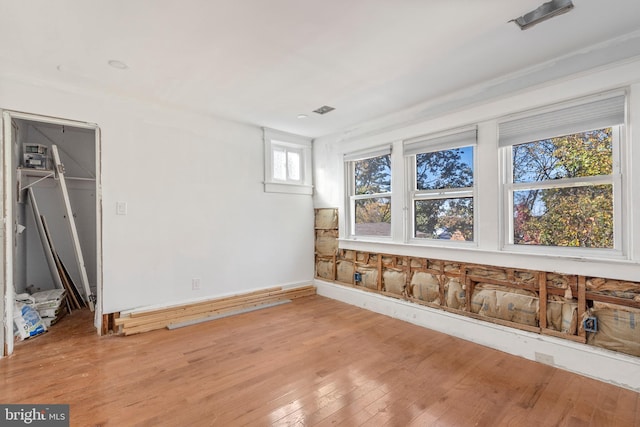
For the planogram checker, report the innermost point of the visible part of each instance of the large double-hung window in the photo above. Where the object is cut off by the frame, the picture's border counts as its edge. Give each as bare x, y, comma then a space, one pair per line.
441, 186
369, 192
562, 181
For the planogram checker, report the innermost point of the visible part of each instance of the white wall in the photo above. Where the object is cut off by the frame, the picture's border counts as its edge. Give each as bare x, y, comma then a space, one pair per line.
196, 206
329, 171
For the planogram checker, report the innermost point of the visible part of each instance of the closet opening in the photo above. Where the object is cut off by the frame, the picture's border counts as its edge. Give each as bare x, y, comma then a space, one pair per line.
52, 220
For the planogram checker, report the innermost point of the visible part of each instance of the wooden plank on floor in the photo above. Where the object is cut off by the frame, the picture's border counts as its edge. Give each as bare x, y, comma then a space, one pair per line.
163, 323
66, 278
152, 320
141, 317
140, 313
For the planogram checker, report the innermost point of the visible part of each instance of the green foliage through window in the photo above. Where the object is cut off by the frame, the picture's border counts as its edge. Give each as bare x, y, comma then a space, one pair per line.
372, 214
444, 218
373, 175
445, 169
568, 213
445, 214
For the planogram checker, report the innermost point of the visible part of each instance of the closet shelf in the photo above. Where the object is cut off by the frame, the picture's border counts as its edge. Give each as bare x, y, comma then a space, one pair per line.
47, 173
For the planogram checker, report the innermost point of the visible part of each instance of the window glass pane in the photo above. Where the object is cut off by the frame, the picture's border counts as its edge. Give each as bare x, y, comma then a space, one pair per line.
373, 175
279, 165
445, 169
293, 165
373, 217
577, 155
572, 216
448, 219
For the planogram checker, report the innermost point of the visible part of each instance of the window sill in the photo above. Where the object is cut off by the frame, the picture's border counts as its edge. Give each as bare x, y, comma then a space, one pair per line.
273, 187
580, 254
621, 268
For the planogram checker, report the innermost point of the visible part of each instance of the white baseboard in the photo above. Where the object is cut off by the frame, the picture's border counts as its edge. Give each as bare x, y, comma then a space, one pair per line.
604, 365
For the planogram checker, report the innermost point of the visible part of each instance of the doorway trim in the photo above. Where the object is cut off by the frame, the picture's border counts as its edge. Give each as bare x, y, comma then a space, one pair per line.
9, 226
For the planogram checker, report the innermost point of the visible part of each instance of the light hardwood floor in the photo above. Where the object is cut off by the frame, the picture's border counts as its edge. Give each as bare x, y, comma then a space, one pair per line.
313, 362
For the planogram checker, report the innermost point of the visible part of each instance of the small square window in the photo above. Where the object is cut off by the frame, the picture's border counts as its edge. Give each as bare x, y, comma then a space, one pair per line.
287, 163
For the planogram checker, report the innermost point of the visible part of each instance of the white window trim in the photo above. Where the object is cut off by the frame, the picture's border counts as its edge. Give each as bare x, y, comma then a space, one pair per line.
274, 139
616, 179
441, 141
350, 198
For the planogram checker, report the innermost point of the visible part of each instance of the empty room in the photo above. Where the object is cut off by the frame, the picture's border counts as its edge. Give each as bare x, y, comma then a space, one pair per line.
363, 212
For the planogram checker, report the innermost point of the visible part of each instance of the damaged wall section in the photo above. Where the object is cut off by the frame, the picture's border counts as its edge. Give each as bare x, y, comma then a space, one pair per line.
537, 301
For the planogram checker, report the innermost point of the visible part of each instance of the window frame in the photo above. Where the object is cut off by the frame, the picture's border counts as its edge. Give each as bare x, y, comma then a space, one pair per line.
275, 140
619, 145
350, 160
444, 141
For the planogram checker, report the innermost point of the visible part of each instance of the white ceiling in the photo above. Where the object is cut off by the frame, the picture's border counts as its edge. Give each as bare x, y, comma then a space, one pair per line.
266, 61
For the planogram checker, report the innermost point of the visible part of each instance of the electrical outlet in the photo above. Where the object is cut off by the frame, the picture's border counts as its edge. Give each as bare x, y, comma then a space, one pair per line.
547, 359
121, 208
195, 284
590, 324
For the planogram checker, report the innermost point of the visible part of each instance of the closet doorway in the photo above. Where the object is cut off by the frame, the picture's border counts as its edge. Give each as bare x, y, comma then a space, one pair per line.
51, 177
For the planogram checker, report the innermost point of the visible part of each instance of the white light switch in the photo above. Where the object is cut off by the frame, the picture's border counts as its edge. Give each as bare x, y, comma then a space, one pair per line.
121, 208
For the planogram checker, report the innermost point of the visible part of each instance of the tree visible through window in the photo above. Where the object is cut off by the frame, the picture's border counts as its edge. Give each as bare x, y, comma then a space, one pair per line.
563, 191
443, 196
372, 196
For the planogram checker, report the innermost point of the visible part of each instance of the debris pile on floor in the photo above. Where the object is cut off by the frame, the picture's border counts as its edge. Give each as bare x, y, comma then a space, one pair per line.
50, 305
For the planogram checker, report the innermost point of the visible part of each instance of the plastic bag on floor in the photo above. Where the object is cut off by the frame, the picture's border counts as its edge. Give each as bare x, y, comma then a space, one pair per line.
27, 321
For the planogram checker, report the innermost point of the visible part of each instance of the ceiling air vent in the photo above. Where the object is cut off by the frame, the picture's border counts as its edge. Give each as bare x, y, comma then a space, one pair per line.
324, 109
542, 13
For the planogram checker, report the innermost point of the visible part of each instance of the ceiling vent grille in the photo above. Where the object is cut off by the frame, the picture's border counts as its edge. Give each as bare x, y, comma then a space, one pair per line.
324, 109
546, 11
